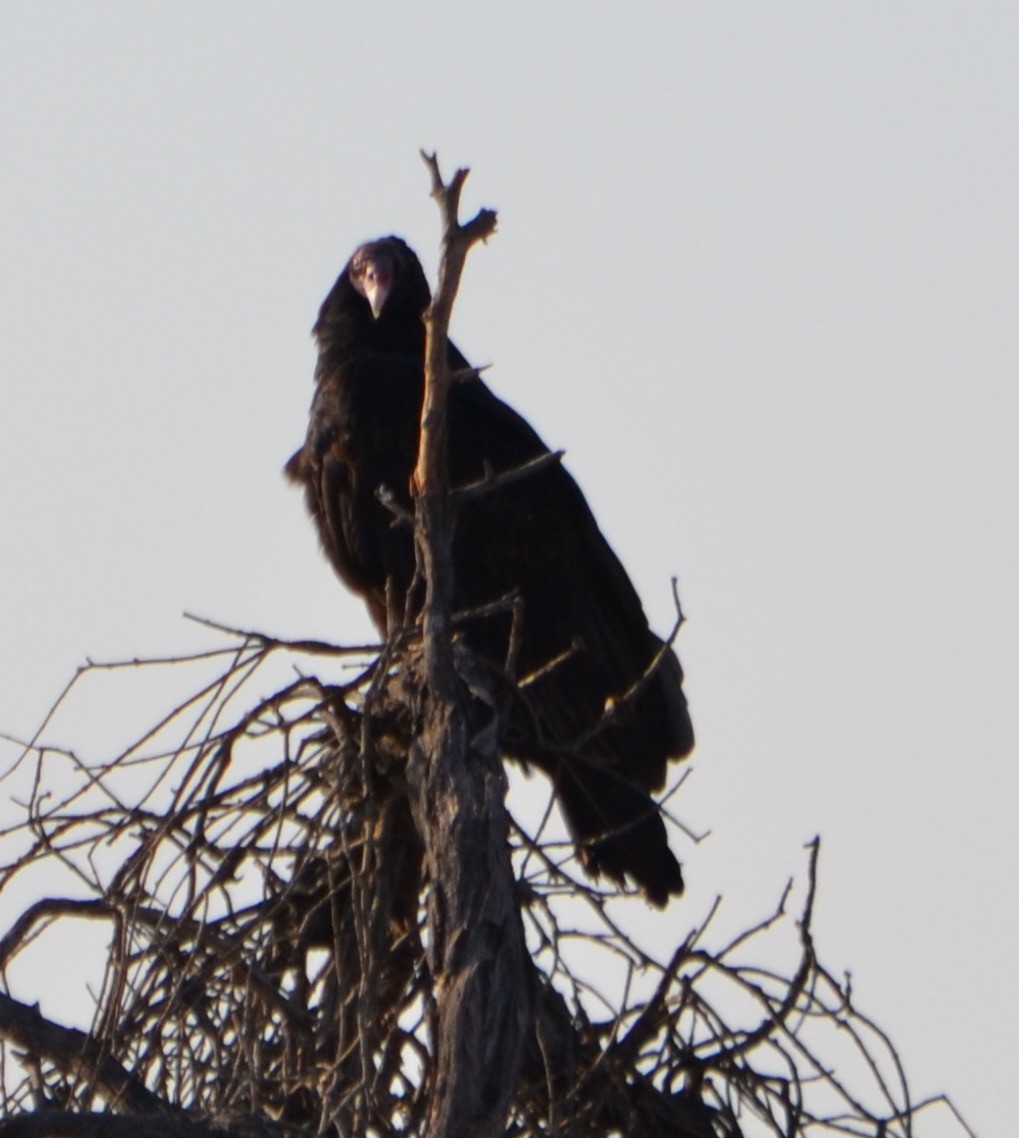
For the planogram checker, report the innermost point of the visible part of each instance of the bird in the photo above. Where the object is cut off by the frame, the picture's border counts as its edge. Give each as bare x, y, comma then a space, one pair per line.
592, 696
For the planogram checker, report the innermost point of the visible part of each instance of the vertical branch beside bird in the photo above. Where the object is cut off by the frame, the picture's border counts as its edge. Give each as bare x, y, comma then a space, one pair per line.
430, 481
477, 951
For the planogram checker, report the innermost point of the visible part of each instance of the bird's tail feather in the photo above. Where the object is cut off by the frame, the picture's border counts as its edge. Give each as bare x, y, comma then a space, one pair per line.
619, 830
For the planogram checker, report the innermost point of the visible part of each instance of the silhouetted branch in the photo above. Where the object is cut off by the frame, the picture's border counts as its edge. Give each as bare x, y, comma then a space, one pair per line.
56, 1124
268, 919
492, 481
476, 952
77, 1054
457, 240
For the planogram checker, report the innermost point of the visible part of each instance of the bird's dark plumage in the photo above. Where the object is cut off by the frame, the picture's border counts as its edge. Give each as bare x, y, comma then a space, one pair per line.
535, 537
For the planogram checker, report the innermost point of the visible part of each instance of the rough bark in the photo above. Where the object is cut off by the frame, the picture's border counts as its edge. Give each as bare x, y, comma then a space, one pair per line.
477, 954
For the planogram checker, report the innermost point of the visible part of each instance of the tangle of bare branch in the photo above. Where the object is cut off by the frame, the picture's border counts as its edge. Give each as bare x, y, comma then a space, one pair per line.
267, 962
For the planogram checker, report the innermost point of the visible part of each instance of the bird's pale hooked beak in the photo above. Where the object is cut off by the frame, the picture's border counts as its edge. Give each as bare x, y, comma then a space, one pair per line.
373, 278
376, 287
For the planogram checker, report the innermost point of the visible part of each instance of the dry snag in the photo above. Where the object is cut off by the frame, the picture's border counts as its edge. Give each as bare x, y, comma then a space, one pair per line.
314, 914
477, 953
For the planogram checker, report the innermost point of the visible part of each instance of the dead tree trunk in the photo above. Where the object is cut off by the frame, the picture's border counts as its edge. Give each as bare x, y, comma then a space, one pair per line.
477, 953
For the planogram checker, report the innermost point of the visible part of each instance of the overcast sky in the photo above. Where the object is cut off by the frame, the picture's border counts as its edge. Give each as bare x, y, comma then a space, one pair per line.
756, 270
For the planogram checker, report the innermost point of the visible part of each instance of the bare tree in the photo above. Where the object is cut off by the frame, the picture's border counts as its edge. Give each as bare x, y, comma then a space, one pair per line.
322, 919
477, 955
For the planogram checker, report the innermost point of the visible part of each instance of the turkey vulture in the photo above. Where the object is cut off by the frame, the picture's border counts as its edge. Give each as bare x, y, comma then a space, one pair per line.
580, 637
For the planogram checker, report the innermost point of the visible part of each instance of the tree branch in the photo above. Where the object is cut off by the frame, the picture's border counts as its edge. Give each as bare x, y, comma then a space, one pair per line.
76, 1053
477, 953
56, 1124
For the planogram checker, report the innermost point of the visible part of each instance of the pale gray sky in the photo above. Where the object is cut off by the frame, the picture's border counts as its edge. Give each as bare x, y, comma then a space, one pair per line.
756, 271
